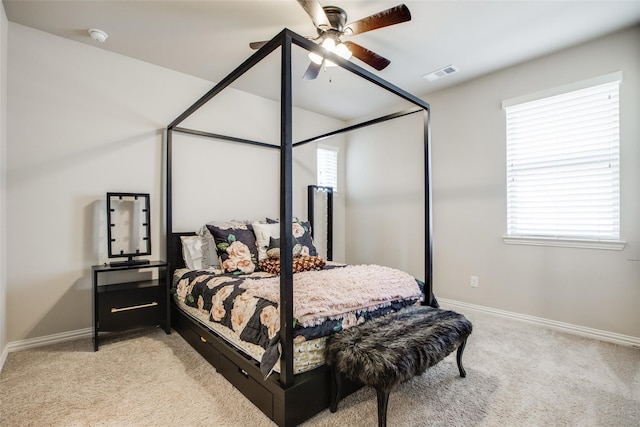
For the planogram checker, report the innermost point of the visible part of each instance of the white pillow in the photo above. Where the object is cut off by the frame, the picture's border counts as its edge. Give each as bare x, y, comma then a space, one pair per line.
192, 252
263, 233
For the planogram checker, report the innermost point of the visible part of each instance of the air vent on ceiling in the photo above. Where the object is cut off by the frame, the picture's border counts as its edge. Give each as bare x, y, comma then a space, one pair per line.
442, 72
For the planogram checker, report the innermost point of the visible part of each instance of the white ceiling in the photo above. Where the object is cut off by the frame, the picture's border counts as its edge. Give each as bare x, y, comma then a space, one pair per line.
208, 39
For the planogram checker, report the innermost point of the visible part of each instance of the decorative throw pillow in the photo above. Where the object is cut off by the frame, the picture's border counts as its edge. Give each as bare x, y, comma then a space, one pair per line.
274, 248
236, 246
271, 265
300, 263
210, 256
301, 231
272, 253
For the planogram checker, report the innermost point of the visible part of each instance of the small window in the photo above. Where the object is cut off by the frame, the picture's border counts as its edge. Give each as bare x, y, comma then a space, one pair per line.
563, 165
328, 167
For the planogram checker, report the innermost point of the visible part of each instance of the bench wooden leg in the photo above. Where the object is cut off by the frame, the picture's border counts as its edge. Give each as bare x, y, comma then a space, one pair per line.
463, 373
336, 389
383, 401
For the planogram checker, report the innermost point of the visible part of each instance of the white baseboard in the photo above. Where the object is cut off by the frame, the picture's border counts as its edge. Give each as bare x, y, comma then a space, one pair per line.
561, 326
3, 356
49, 339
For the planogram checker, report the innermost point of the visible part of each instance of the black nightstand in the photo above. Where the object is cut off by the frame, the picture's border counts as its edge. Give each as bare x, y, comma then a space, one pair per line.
131, 304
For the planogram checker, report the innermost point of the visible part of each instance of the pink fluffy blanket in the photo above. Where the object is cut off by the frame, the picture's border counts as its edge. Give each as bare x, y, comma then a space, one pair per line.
331, 293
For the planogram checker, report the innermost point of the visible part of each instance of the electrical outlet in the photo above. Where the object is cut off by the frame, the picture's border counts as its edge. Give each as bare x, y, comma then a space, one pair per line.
474, 281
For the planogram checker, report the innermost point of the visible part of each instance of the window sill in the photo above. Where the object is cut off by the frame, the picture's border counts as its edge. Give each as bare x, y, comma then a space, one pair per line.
610, 245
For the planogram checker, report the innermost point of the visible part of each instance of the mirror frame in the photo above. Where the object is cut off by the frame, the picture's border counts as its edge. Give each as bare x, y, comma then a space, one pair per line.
145, 222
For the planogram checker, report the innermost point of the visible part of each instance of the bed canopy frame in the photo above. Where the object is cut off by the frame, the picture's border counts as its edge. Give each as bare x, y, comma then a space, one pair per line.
285, 40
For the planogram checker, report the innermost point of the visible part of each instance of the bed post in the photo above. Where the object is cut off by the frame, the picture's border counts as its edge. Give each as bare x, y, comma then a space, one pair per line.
286, 216
428, 226
168, 198
311, 191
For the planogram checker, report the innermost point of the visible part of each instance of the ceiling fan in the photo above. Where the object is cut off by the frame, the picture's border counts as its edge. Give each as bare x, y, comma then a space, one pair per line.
330, 23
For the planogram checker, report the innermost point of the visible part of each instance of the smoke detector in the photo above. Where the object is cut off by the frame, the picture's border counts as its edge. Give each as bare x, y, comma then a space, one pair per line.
98, 35
442, 72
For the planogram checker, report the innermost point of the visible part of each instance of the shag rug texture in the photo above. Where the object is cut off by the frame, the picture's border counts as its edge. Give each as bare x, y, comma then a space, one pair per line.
518, 374
392, 349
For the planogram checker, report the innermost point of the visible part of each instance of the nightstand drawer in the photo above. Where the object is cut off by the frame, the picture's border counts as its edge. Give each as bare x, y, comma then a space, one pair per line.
124, 309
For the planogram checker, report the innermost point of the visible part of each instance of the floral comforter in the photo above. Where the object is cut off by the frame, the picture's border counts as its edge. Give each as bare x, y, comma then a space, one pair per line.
325, 301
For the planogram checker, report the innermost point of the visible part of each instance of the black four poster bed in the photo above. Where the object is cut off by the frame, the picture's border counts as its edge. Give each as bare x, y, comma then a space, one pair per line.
287, 397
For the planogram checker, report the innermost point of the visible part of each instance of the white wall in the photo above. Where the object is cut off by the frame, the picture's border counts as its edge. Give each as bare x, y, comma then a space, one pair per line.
592, 288
4, 25
385, 195
84, 121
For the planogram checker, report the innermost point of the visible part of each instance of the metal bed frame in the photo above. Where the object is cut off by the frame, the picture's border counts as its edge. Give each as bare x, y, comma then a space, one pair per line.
294, 398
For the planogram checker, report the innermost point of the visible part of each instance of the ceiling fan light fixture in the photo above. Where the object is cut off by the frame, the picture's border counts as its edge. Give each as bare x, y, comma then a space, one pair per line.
329, 44
315, 58
343, 51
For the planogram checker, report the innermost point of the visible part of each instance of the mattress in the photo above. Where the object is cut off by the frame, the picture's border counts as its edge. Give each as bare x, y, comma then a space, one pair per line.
244, 308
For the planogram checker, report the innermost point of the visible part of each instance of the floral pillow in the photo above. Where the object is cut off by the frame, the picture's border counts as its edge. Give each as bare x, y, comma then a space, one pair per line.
301, 231
236, 246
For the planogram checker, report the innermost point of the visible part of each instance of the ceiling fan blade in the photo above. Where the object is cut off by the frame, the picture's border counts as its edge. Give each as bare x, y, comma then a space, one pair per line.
315, 11
312, 71
257, 45
392, 16
365, 55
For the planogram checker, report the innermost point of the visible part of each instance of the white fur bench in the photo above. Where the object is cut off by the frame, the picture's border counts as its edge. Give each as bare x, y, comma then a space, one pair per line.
391, 349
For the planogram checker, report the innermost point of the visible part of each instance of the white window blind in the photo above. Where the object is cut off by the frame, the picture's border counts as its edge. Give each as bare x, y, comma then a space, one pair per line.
563, 165
328, 167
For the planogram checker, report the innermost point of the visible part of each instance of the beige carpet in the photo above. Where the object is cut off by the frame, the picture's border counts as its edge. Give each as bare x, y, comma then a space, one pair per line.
517, 375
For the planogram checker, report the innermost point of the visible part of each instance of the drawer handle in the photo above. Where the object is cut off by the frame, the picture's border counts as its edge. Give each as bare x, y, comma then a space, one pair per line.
203, 339
133, 307
243, 372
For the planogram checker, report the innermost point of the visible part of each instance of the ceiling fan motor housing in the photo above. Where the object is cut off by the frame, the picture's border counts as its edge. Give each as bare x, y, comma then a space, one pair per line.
337, 17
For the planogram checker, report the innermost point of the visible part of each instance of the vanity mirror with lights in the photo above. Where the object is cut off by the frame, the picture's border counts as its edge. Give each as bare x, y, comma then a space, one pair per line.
129, 227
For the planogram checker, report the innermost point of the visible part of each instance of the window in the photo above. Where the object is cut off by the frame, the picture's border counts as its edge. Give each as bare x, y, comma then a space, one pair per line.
563, 165
328, 167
